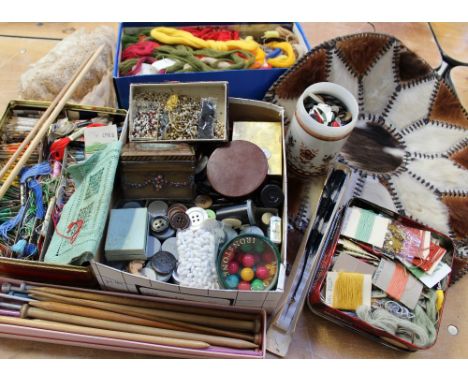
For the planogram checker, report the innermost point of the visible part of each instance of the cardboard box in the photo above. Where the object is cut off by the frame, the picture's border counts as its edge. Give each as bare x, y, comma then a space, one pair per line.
247, 83
113, 279
88, 341
41, 271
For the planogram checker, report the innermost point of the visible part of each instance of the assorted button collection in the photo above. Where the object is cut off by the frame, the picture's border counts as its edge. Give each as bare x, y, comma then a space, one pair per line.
184, 243
234, 196
327, 110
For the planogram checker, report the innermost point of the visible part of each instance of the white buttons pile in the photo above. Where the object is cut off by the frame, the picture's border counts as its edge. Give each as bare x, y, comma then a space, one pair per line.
197, 259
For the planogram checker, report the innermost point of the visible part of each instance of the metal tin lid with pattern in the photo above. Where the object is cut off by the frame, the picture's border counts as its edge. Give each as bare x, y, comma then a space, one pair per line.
163, 262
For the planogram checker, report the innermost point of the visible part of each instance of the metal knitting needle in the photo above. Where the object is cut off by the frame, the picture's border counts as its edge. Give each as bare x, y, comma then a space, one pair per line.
7, 305
7, 287
15, 298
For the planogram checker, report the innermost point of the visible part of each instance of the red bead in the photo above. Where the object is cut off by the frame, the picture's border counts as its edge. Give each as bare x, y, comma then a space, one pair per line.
268, 257
244, 285
233, 268
248, 260
258, 259
262, 273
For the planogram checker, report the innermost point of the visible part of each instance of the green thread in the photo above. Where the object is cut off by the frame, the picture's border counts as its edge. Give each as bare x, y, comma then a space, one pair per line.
365, 225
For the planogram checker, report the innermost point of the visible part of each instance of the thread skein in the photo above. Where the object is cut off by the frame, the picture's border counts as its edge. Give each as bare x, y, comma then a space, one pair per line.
348, 291
422, 329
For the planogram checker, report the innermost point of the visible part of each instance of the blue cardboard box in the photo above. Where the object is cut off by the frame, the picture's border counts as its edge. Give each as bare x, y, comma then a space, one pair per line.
246, 83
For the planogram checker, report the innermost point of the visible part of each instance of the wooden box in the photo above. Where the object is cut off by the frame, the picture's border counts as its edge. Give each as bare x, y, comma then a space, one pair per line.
157, 171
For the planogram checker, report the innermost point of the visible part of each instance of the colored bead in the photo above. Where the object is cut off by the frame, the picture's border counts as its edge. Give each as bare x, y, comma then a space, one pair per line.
257, 285
262, 273
259, 246
233, 267
268, 257
244, 285
247, 274
248, 260
232, 281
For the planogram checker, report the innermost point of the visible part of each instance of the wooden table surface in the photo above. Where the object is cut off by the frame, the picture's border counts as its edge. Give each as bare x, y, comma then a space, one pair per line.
453, 40
416, 36
315, 337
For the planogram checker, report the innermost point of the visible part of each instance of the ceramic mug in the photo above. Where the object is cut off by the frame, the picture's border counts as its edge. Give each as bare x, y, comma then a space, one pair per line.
312, 146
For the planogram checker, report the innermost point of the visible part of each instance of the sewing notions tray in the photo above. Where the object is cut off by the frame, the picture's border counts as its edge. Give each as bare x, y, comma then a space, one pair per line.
327, 261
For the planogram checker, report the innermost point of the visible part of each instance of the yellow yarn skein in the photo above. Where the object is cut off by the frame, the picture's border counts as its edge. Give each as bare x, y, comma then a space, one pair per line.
284, 60
174, 36
348, 291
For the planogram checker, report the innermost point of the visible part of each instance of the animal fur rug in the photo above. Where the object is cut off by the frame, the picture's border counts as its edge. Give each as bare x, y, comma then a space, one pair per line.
409, 150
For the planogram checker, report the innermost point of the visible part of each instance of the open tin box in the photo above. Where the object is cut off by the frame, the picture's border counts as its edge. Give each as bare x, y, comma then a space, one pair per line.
90, 341
173, 96
325, 260
109, 278
39, 270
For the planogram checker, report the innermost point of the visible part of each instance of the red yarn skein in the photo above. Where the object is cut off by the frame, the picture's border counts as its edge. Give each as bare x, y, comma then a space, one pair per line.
139, 49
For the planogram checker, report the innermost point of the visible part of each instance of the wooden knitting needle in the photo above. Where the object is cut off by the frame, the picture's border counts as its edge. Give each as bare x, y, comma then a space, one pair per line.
217, 322
177, 325
60, 327
39, 134
144, 303
51, 314
43, 118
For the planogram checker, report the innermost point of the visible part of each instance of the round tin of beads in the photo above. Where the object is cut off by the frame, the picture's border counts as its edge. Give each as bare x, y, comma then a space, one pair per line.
242, 257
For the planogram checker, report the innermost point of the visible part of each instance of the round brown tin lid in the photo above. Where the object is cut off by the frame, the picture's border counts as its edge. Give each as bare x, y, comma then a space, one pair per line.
237, 169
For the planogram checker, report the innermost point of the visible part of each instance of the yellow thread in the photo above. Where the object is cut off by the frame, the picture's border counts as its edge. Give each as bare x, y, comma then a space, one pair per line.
348, 291
439, 299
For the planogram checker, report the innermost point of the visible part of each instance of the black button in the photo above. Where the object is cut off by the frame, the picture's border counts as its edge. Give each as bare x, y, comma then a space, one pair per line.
272, 196
163, 262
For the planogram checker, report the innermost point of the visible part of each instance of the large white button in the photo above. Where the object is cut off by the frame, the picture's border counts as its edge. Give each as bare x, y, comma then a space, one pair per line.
197, 216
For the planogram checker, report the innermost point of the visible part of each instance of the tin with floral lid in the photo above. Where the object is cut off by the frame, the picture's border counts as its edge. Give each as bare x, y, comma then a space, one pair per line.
248, 262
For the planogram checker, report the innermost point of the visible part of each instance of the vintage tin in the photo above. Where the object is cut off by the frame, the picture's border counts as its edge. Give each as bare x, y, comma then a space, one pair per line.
37, 270
316, 301
157, 171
